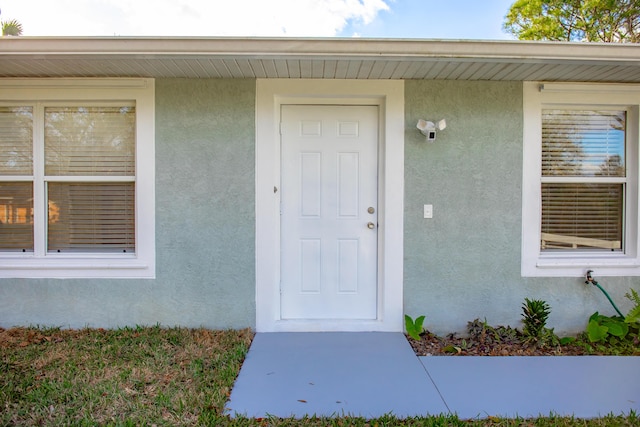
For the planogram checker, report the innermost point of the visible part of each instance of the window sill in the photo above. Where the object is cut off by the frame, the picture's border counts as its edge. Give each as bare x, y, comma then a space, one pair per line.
76, 267
547, 266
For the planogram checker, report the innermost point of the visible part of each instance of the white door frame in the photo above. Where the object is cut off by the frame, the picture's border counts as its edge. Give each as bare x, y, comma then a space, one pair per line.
388, 95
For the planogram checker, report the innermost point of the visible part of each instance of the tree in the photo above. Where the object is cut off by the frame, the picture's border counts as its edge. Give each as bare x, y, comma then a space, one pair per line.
612, 21
11, 28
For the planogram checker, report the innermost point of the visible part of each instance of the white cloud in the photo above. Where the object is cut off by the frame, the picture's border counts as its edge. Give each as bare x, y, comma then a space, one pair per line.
299, 18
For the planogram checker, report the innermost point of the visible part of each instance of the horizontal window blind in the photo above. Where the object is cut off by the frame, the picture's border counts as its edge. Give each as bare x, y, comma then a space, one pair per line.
16, 216
581, 216
583, 148
583, 143
90, 141
16, 141
91, 217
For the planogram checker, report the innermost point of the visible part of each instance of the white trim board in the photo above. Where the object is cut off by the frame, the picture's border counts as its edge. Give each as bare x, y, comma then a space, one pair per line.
389, 97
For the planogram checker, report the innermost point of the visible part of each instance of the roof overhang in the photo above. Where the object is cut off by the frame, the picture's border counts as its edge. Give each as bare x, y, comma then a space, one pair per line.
330, 58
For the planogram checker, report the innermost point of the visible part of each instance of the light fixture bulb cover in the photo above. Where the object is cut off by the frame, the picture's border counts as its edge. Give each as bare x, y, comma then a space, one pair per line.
425, 126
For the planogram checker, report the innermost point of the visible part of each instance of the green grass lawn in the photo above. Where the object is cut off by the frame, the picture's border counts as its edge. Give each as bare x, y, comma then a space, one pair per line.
157, 376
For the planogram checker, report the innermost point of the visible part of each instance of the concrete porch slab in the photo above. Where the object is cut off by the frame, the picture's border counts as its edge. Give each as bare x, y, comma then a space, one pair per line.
333, 374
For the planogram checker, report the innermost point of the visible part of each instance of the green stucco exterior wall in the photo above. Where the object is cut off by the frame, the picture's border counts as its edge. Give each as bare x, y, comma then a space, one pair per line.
465, 262
205, 225
462, 264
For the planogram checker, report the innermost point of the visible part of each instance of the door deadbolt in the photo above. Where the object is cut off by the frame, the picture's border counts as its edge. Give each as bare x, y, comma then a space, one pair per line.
371, 225
371, 210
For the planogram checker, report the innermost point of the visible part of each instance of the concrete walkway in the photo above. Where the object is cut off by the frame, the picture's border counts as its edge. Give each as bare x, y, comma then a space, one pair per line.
373, 374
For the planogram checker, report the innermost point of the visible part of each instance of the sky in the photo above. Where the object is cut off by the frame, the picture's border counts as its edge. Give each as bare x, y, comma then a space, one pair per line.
423, 19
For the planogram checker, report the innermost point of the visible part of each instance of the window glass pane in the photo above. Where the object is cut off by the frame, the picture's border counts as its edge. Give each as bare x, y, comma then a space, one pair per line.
91, 217
16, 216
582, 216
90, 141
16, 141
583, 143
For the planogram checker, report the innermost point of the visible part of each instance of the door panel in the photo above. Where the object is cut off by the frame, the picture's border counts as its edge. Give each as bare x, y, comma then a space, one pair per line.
329, 196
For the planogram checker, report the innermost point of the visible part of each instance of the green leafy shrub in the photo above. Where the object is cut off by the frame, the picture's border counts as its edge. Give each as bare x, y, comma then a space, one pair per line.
602, 328
634, 314
414, 328
615, 333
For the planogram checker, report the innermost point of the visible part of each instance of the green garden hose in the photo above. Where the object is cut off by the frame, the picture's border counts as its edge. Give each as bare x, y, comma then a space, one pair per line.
591, 280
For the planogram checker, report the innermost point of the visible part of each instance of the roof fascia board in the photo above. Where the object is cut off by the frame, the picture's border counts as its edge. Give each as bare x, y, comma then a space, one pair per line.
333, 48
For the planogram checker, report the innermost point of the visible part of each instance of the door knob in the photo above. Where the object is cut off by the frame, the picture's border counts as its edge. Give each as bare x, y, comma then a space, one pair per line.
371, 225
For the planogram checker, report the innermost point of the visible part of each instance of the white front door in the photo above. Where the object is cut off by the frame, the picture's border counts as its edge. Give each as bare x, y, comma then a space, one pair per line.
329, 212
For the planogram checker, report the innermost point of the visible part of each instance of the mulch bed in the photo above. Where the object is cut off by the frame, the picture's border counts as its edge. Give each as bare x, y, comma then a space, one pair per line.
432, 345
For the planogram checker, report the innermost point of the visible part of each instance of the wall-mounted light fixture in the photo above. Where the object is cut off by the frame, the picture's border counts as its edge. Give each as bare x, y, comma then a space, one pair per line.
429, 129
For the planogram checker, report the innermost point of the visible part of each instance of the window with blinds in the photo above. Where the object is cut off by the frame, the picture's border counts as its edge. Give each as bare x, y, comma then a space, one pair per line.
16, 216
89, 141
77, 178
87, 180
16, 141
583, 180
16, 179
90, 217
90, 178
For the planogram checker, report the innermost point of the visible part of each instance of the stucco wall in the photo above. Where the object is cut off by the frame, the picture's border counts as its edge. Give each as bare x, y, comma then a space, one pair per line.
461, 265
205, 222
465, 262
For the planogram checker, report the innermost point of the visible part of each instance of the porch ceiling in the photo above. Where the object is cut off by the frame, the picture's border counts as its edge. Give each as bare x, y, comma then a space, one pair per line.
318, 58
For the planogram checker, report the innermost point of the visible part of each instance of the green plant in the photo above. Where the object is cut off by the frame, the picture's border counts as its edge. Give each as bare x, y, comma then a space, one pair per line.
477, 329
615, 329
612, 335
602, 328
11, 28
506, 335
567, 340
486, 334
633, 316
534, 316
414, 328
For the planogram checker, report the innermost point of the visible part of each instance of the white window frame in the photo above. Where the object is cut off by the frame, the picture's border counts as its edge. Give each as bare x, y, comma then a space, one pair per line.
141, 264
536, 97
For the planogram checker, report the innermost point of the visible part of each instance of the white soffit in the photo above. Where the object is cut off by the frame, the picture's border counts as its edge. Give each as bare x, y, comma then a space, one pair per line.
328, 58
